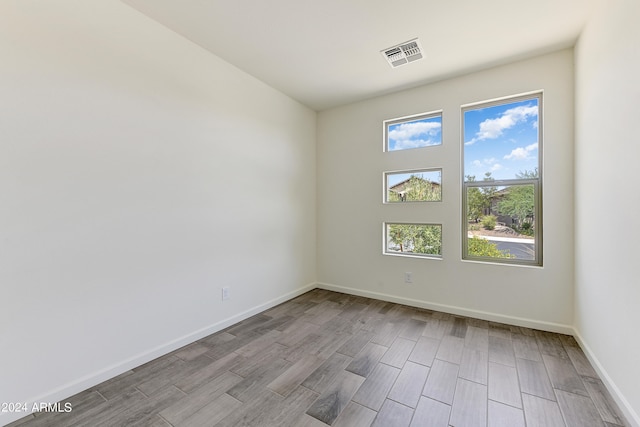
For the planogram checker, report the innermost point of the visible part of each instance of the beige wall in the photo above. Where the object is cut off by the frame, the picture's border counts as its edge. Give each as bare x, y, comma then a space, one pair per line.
607, 314
138, 175
351, 213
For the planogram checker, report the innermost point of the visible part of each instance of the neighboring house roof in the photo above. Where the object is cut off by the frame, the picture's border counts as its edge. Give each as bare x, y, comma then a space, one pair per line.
401, 187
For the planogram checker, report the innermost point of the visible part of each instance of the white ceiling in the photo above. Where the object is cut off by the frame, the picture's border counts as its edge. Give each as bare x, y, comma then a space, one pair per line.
326, 53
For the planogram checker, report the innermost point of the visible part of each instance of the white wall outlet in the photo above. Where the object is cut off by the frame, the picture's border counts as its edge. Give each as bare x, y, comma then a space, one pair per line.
225, 293
408, 277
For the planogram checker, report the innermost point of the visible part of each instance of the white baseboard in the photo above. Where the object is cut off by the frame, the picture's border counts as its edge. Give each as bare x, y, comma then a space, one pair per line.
67, 390
632, 417
477, 314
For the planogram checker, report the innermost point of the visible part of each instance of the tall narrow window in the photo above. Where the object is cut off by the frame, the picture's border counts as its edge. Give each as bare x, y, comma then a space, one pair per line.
502, 177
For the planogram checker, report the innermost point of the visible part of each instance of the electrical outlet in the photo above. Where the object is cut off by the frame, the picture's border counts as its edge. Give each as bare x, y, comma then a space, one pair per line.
408, 277
225, 293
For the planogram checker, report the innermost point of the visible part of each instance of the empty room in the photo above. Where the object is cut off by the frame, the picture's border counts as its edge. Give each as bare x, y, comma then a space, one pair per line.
339, 213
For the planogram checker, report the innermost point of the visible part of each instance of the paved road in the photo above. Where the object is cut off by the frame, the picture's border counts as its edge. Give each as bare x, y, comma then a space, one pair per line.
520, 250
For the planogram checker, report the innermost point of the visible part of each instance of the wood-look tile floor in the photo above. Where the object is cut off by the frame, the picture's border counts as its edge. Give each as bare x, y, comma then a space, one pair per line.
327, 358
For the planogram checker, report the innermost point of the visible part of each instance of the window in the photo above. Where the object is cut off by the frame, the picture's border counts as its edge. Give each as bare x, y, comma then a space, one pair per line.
423, 240
502, 181
423, 130
423, 185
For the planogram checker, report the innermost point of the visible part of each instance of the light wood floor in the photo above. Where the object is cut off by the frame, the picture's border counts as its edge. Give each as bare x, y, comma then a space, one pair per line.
330, 358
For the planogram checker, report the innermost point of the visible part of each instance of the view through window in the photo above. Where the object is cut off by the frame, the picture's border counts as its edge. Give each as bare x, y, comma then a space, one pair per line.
502, 178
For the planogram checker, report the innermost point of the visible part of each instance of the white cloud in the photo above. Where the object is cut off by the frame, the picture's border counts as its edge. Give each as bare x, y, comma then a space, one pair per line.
405, 144
521, 153
490, 163
493, 128
407, 131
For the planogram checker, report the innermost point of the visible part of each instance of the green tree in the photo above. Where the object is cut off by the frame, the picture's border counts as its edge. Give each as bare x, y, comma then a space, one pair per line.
475, 201
519, 200
479, 198
415, 238
488, 192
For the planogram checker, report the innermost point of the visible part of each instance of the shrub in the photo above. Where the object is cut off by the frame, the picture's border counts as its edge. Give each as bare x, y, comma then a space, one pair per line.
527, 229
482, 247
489, 222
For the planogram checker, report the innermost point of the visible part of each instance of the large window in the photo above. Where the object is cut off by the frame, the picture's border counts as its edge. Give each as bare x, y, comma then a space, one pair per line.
502, 177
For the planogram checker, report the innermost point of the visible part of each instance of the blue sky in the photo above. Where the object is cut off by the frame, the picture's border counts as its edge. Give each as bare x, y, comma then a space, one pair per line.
501, 139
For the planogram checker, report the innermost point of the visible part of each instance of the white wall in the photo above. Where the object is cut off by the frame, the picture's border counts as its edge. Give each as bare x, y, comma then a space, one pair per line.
607, 203
351, 213
138, 175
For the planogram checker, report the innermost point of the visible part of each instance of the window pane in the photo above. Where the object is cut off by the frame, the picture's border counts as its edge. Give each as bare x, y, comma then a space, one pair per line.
414, 186
501, 222
501, 141
414, 239
416, 132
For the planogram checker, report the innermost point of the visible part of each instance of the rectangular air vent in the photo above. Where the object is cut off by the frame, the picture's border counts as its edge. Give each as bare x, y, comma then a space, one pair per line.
403, 53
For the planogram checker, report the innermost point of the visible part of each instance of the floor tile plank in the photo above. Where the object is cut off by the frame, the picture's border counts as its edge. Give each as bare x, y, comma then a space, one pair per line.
534, 379
603, 401
526, 347
413, 329
425, 351
563, 375
450, 349
539, 412
336, 397
199, 398
503, 385
501, 351
212, 413
375, 389
366, 360
355, 415
290, 379
469, 407
477, 339
578, 411
580, 362
441, 382
474, 365
399, 352
393, 414
325, 373
501, 415
431, 413
356, 343
409, 384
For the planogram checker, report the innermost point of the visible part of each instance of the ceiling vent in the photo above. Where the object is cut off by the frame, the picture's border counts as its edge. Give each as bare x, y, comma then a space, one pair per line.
403, 53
